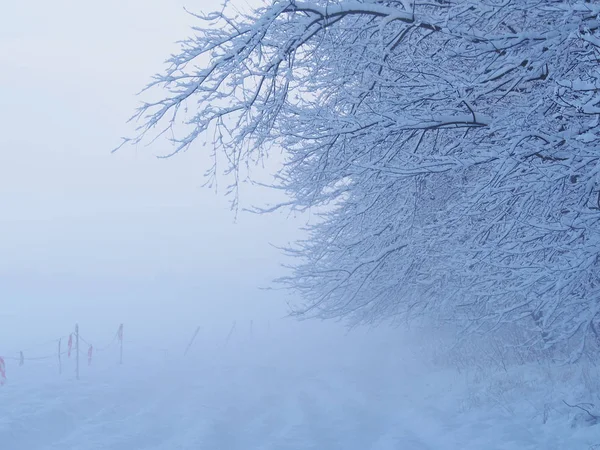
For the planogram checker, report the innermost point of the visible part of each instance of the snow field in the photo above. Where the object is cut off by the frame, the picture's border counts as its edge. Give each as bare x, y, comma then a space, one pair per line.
350, 392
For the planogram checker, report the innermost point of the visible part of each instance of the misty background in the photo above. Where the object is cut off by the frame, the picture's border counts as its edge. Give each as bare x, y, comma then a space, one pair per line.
103, 238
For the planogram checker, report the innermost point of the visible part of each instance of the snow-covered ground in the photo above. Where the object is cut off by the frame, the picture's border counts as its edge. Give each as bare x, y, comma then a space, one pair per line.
282, 391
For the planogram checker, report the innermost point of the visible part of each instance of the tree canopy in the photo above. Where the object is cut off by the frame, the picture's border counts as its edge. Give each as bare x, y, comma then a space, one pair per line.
453, 147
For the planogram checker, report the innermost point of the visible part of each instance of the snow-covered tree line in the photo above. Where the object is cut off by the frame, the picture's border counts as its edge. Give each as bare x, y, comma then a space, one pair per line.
452, 146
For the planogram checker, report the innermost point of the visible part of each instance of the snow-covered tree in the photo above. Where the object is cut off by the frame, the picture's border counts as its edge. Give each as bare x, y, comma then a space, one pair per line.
452, 146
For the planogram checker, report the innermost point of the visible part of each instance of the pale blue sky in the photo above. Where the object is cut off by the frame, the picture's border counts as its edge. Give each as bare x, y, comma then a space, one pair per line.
98, 237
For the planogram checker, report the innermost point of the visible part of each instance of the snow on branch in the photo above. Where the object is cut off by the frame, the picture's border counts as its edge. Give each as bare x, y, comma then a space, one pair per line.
467, 131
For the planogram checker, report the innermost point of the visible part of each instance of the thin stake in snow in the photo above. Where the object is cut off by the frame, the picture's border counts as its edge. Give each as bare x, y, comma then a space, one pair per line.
230, 333
2, 371
192, 340
120, 335
59, 360
77, 351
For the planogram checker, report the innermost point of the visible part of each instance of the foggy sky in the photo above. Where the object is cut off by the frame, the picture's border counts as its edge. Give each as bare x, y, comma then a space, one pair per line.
100, 238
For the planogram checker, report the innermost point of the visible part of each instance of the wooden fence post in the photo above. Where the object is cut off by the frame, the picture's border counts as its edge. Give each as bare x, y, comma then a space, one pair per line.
77, 351
59, 360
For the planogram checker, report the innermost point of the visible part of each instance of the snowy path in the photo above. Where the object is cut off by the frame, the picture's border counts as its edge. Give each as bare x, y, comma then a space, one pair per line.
249, 405
266, 402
